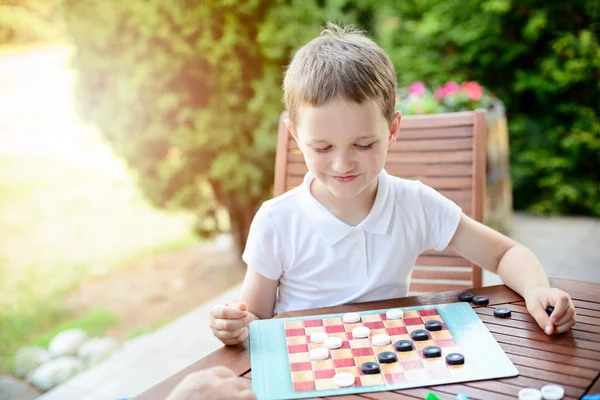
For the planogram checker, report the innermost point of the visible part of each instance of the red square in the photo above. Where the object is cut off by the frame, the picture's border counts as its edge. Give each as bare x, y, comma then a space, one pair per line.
344, 362
312, 323
415, 364
383, 317
445, 342
395, 377
362, 352
375, 325
325, 374
413, 321
428, 313
301, 366
397, 331
345, 345
357, 381
304, 386
335, 329
298, 348
294, 332
349, 334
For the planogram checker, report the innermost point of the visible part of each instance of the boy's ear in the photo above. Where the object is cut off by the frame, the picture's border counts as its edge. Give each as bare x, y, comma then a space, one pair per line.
291, 128
395, 127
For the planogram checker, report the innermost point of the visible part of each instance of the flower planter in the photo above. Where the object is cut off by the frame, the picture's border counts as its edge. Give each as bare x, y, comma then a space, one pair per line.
454, 97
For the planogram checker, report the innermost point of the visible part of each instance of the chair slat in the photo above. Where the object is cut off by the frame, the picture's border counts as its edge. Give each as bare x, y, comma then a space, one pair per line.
406, 171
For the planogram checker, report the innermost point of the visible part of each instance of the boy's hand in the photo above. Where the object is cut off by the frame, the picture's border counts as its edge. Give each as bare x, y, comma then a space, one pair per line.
563, 316
216, 383
229, 322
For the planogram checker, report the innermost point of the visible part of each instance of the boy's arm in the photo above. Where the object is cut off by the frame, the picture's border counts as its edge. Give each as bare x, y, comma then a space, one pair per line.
259, 293
518, 268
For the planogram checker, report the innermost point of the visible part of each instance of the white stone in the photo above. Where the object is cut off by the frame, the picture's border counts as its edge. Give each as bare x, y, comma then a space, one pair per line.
66, 343
333, 342
29, 358
344, 379
318, 337
351, 318
95, 350
55, 372
394, 313
320, 353
553, 392
530, 394
381, 339
361, 332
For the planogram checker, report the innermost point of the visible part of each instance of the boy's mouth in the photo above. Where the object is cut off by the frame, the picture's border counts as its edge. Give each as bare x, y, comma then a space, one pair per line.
345, 178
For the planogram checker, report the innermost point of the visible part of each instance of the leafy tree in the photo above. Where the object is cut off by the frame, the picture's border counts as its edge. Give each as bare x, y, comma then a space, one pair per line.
26, 21
189, 93
541, 58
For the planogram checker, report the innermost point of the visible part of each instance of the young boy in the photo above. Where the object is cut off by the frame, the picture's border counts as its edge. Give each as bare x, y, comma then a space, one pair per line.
351, 232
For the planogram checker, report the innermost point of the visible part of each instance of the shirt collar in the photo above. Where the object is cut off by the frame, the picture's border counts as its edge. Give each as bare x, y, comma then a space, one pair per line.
331, 228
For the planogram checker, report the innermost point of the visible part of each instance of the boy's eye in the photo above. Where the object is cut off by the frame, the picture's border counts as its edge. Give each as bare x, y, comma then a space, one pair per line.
366, 147
322, 150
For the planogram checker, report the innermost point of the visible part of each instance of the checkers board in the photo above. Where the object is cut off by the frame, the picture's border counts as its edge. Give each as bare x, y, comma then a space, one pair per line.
283, 369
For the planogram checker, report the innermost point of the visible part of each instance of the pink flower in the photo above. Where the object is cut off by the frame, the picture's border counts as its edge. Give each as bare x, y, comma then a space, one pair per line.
473, 90
417, 88
439, 93
451, 87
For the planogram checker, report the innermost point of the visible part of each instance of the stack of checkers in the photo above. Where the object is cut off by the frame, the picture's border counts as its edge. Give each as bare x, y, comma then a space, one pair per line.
548, 392
371, 349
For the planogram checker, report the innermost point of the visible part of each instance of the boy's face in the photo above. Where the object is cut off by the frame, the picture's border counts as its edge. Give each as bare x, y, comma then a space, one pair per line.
344, 144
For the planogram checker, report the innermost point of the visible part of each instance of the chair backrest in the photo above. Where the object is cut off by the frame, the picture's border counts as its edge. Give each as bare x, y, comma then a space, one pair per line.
444, 151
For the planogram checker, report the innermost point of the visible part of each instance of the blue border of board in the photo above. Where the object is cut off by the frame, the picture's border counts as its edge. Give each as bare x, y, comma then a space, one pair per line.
271, 379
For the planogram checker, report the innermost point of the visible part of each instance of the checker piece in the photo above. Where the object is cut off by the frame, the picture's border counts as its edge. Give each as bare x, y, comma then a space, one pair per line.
466, 296
419, 335
502, 312
343, 379
370, 368
553, 392
318, 337
481, 300
320, 353
403, 345
333, 342
351, 318
530, 394
387, 357
433, 325
455, 359
394, 313
380, 339
361, 332
432, 352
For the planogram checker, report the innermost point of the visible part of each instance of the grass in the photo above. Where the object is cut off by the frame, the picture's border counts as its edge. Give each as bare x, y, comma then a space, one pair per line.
61, 223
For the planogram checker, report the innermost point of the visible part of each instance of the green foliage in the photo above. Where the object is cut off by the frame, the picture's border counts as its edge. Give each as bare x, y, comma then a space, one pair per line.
189, 93
541, 59
26, 21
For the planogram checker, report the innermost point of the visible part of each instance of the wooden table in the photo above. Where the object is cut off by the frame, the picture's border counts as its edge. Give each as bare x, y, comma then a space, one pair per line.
571, 360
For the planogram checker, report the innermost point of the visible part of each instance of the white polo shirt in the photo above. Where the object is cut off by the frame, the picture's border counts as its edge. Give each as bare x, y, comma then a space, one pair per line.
321, 261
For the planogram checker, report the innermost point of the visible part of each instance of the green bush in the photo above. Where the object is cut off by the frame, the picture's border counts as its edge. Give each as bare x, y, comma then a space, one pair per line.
541, 58
189, 94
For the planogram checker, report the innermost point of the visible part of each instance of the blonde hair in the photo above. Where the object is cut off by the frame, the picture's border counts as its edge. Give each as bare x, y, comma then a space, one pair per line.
340, 62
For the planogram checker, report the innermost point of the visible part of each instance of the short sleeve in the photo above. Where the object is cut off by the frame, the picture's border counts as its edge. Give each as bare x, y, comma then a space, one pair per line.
442, 216
263, 251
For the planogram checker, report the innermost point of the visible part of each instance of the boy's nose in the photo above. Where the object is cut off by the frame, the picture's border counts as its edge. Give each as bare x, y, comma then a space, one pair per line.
342, 164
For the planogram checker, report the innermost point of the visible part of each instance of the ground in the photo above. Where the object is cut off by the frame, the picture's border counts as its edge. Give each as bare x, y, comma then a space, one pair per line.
155, 290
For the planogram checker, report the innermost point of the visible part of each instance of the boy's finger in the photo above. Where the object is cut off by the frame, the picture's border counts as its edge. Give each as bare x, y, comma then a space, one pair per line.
230, 334
240, 305
229, 325
568, 316
227, 312
540, 316
565, 327
560, 308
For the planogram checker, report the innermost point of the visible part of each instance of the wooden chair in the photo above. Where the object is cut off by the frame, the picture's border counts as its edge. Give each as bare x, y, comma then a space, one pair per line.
444, 151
